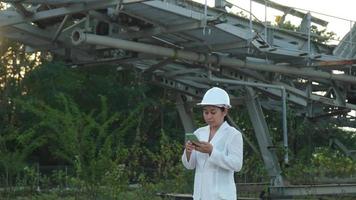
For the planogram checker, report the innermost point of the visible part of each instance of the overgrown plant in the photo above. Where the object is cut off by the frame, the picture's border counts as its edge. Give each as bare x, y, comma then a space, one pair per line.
84, 140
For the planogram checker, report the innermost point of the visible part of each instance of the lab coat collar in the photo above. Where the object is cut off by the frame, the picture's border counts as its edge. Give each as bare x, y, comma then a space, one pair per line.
219, 133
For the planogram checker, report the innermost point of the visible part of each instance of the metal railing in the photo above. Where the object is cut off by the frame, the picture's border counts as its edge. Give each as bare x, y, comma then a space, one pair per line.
268, 24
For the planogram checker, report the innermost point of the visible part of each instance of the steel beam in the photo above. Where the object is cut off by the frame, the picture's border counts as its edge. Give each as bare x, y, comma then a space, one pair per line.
60, 28
36, 32
158, 65
181, 86
185, 114
246, 139
222, 47
79, 37
50, 2
15, 18
350, 153
312, 190
162, 30
21, 9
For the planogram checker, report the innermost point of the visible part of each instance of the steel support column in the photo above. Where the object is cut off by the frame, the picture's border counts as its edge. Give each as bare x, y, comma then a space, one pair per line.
263, 137
185, 116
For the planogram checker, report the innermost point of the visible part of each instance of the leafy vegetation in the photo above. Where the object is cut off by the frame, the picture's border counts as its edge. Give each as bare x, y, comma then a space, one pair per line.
110, 135
121, 138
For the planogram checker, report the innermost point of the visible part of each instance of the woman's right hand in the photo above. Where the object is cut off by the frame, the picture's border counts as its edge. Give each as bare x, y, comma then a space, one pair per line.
189, 147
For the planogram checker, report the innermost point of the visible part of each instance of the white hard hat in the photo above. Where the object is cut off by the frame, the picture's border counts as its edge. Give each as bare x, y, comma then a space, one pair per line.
216, 97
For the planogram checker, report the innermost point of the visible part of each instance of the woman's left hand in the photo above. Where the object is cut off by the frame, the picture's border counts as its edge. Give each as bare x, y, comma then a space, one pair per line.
204, 147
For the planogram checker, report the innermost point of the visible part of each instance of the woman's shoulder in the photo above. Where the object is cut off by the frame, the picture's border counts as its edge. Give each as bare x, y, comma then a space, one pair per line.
233, 130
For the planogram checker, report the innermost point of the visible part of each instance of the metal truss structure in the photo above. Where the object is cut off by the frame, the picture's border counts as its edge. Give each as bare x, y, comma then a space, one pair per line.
188, 47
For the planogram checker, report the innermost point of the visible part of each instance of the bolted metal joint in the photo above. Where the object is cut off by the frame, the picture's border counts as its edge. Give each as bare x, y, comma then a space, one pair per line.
78, 37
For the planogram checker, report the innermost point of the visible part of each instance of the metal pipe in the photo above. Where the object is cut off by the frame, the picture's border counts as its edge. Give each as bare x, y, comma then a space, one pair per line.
250, 16
350, 38
309, 32
78, 37
265, 21
285, 127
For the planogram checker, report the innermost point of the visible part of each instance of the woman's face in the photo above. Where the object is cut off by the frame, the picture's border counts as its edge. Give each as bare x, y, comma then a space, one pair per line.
214, 116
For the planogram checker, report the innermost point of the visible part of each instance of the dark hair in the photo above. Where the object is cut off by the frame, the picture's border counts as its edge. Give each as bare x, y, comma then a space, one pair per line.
222, 108
225, 118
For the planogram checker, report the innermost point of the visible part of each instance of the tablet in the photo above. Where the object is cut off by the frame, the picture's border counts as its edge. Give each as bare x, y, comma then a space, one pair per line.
191, 137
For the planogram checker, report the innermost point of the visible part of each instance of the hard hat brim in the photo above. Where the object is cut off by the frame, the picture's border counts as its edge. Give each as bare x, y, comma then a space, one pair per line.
217, 105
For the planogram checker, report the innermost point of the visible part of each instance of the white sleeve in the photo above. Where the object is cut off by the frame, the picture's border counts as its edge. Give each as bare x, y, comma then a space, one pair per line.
233, 158
192, 161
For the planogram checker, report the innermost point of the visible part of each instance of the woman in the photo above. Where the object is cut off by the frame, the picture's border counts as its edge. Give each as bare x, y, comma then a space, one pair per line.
218, 154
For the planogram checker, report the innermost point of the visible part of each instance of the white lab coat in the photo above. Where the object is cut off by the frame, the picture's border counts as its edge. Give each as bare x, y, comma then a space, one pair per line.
214, 174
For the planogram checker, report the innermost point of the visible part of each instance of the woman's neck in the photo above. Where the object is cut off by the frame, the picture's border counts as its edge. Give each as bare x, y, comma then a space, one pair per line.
213, 129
